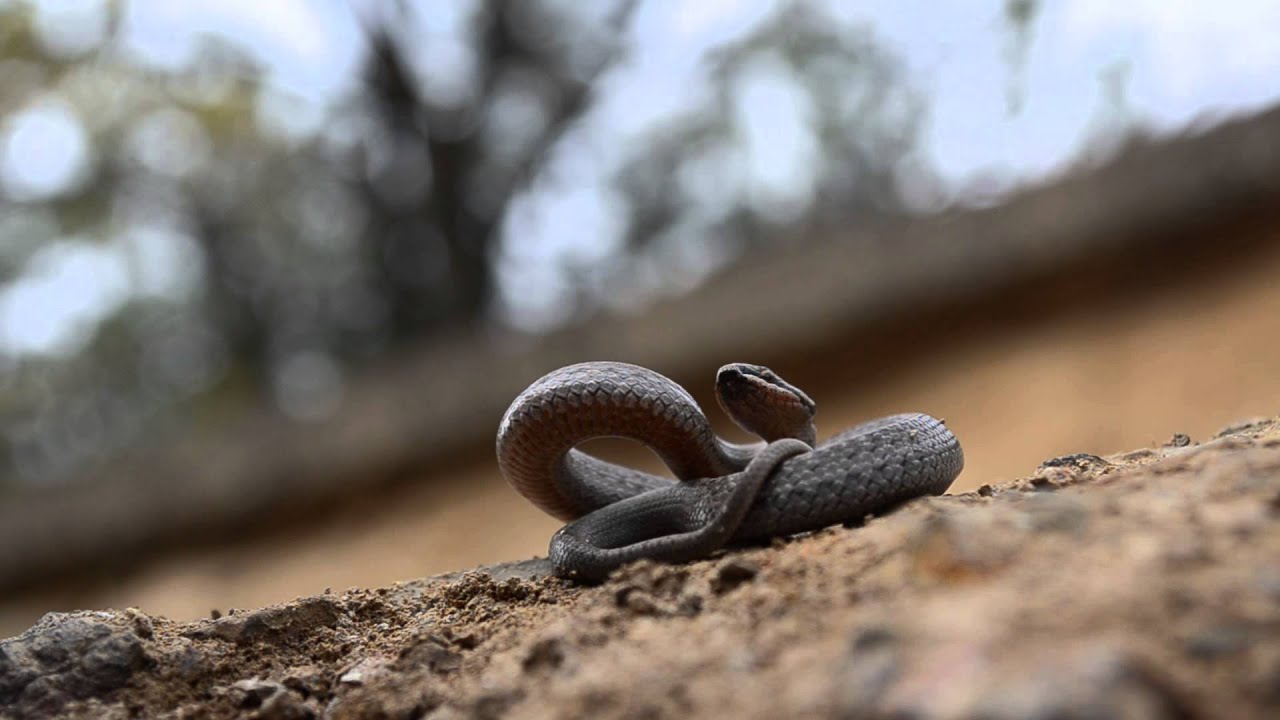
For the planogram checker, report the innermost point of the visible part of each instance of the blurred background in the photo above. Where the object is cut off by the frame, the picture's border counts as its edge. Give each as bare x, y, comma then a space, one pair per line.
270, 272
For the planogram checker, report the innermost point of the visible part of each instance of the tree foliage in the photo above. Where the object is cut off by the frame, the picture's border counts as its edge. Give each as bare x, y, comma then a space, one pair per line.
259, 259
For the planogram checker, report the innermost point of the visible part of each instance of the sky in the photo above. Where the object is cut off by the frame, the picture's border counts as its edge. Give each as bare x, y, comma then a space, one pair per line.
1185, 58
991, 113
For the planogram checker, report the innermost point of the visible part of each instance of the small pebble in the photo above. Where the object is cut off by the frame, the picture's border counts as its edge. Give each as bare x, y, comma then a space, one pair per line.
733, 573
254, 691
547, 653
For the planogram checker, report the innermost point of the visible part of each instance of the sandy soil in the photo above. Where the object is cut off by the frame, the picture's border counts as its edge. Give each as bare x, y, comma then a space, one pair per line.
1144, 585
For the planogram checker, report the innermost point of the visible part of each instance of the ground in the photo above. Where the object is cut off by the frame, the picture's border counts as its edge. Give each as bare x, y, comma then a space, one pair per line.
1144, 585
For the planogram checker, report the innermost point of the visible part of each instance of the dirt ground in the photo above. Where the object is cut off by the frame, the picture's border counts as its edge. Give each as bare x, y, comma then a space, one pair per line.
1140, 585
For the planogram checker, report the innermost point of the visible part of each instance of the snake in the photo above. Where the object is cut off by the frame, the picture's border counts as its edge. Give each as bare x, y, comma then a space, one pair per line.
724, 493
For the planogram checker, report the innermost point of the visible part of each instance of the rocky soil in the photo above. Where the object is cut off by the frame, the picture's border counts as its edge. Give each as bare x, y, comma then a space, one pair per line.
1143, 585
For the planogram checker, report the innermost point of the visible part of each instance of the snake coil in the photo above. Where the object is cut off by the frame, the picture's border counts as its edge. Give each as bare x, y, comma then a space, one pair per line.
725, 493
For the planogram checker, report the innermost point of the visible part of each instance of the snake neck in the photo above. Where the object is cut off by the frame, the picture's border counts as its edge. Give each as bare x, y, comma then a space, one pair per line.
735, 456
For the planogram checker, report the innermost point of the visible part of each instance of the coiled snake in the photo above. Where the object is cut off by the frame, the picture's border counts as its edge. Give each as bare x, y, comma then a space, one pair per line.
726, 493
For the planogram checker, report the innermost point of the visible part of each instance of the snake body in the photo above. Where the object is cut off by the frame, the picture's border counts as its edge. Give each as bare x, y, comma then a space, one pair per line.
726, 493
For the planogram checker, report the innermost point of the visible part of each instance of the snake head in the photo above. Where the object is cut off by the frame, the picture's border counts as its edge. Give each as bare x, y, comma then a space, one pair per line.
761, 402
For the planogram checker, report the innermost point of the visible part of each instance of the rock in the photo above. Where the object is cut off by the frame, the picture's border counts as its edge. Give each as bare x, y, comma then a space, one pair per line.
364, 671
1077, 460
434, 653
281, 623
386, 695
732, 573
638, 601
307, 680
192, 664
285, 705
546, 653
142, 624
66, 657
271, 700
251, 692
1244, 426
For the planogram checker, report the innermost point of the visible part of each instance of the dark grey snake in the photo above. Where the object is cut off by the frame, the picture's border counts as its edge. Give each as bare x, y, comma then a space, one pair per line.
727, 493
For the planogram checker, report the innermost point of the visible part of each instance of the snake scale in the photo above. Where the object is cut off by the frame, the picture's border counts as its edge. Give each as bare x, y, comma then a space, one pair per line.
725, 493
